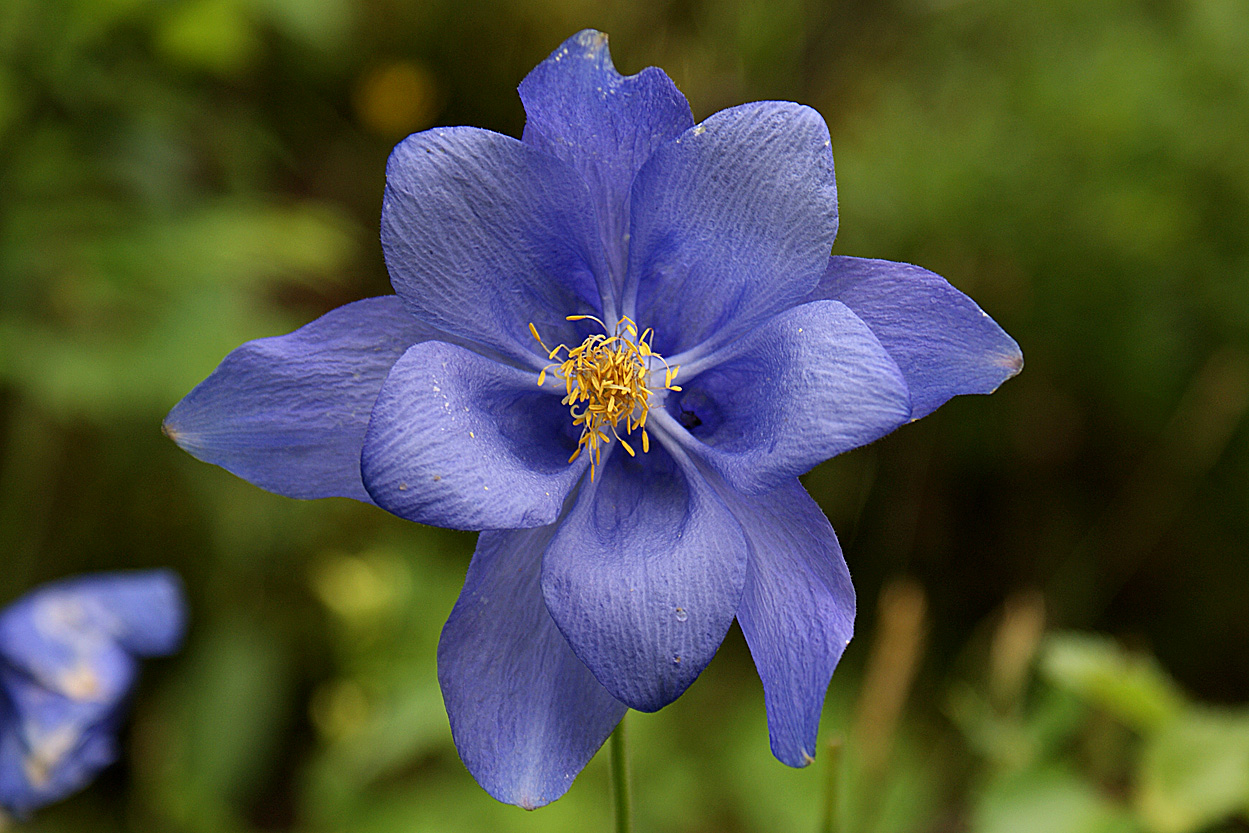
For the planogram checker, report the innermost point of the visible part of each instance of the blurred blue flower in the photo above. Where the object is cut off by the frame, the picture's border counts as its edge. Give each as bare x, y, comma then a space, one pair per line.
615, 345
67, 662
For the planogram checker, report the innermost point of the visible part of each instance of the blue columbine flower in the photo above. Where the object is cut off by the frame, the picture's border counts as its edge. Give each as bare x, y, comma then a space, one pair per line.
67, 662
614, 347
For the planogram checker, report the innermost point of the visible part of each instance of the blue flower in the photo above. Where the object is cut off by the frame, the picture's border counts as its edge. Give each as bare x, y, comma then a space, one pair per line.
615, 345
67, 662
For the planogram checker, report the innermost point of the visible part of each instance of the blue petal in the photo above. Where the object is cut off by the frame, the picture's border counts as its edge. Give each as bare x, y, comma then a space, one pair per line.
288, 413
644, 576
145, 610
797, 611
526, 714
462, 441
809, 384
606, 125
484, 235
50, 746
75, 637
731, 223
944, 343
66, 665
84, 695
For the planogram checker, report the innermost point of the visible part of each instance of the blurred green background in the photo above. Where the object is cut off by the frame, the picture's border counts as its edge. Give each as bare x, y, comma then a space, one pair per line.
1053, 628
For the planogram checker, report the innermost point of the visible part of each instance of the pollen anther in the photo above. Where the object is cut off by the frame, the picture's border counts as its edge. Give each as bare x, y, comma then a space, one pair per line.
606, 382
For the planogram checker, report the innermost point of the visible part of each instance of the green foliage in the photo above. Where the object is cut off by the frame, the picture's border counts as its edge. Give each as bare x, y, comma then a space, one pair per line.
1130, 687
1195, 771
225, 715
1049, 801
1139, 755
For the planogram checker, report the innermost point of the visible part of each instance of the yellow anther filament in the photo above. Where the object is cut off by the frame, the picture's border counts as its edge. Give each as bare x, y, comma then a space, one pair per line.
606, 381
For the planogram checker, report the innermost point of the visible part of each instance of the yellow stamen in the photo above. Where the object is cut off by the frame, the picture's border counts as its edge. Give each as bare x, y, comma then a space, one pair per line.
606, 381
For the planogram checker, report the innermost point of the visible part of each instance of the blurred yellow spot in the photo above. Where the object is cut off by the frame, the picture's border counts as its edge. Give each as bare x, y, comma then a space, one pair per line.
37, 772
1014, 647
80, 683
396, 99
360, 587
896, 652
46, 751
218, 36
339, 708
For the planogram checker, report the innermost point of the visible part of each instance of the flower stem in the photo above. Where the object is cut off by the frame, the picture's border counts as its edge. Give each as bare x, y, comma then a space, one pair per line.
832, 752
620, 778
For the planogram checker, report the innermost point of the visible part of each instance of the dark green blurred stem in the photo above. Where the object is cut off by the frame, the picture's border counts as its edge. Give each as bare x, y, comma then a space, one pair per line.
832, 752
30, 463
620, 778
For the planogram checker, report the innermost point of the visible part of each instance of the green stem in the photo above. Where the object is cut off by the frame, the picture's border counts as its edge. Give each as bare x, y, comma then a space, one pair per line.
620, 779
832, 751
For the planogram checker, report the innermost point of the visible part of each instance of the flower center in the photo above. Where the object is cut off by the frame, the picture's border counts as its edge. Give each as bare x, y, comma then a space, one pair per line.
607, 381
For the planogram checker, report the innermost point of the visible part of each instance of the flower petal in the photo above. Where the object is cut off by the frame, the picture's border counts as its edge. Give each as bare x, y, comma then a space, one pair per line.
288, 413
66, 666
144, 611
462, 441
484, 235
644, 576
809, 384
797, 611
75, 637
606, 125
50, 745
944, 343
526, 714
731, 223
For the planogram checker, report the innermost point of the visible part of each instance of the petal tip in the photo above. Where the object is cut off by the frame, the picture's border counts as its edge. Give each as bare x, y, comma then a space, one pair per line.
1011, 362
528, 796
187, 439
590, 44
170, 431
591, 39
797, 758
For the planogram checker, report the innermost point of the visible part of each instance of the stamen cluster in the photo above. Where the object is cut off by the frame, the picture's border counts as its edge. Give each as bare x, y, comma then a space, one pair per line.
606, 379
